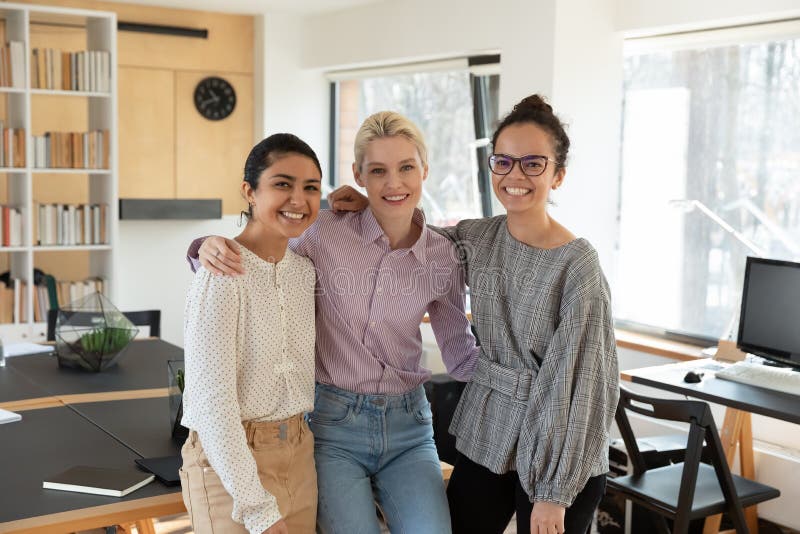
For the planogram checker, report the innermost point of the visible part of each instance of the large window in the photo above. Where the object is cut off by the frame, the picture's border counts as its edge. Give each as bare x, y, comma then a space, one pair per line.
710, 172
455, 106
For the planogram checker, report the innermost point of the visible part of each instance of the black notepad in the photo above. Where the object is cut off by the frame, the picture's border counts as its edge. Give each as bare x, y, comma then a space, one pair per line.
164, 468
99, 480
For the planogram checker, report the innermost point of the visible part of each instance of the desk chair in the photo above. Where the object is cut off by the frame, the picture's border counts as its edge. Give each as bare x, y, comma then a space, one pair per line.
151, 318
690, 489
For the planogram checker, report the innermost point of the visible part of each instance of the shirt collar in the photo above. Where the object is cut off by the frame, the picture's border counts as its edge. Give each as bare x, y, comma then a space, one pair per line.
371, 231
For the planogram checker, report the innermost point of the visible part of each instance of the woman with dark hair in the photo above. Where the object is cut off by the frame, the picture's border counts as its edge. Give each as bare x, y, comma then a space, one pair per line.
248, 463
532, 425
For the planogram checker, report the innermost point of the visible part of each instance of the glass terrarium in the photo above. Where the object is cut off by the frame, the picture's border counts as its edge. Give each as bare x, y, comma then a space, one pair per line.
177, 381
91, 333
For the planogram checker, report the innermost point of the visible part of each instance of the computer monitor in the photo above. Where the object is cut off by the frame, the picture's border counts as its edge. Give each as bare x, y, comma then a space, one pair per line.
769, 323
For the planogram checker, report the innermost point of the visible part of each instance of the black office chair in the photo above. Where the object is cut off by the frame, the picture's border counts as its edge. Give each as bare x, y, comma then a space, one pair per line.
690, 489
151, 318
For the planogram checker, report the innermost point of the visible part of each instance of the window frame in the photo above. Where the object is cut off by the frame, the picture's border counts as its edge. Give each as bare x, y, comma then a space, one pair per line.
480, 67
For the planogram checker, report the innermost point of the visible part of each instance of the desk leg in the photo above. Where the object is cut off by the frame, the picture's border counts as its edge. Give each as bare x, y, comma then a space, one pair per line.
730, 434
747, 466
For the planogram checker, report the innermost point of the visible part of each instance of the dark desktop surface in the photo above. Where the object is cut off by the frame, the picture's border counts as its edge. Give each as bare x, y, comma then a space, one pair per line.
142, 366
46, 442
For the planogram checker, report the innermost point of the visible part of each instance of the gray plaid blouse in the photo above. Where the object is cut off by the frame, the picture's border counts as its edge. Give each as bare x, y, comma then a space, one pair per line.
546, 384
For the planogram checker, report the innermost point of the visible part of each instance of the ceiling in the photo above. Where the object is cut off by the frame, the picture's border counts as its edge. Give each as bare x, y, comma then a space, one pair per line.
305, 7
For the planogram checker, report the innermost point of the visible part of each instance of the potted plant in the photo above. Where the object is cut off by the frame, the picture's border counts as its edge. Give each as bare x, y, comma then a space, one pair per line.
177, 381
92, 334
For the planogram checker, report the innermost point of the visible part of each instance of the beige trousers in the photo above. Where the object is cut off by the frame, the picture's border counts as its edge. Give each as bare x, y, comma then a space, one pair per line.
284, 453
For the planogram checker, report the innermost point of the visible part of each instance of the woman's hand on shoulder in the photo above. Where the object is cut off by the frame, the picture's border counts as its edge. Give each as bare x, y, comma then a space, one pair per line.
279, 527
547, 518
220, 256
347, 198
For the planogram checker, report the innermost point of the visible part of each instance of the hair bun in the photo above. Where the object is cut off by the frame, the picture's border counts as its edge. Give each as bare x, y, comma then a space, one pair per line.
534, 103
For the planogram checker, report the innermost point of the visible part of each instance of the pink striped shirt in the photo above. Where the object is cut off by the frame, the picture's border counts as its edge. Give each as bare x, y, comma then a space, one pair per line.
371, 300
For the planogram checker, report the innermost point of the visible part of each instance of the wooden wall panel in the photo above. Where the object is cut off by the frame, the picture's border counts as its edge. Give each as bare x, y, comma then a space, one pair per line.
229, 47
210, 155
146, 133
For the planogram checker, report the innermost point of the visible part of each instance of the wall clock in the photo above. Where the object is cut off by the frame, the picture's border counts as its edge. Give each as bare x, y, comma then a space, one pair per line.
214, 98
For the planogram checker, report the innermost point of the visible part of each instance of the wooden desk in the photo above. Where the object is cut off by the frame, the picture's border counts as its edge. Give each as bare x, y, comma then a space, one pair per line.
740, 400
72, 417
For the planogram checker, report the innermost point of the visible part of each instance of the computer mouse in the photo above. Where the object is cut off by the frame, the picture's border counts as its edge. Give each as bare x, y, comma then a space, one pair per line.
693, 377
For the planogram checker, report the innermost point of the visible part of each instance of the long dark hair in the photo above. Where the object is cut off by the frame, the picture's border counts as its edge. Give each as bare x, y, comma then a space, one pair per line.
270, 150
536, 110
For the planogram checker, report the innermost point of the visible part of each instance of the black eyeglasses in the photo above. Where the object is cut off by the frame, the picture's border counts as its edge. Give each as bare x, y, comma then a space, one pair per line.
531, 165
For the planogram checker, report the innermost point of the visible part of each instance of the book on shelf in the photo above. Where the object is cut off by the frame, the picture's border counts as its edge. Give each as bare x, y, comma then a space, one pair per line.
10, 226
70, 224
87, 70
99, 480
12, 65
13, 151
71, 150
48, 294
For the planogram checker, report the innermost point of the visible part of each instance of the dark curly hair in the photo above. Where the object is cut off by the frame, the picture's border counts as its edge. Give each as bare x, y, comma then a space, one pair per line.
270, 150
536, 110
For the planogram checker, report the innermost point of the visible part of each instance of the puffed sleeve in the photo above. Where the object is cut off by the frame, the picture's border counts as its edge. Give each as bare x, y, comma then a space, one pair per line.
564, 437
211, 402
451, 328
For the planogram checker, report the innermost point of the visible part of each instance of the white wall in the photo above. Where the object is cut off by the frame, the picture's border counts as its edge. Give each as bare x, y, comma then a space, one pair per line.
295, 98
153, 272
415, 30
645, 17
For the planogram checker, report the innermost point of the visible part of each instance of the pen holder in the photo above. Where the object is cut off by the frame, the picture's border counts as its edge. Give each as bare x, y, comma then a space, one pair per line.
175, 371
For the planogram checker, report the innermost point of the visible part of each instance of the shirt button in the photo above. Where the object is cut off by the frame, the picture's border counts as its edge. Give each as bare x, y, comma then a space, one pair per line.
379, 290
372, 323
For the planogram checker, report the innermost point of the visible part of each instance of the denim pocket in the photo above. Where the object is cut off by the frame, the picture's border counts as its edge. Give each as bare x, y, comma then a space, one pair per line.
330, 410
423, 414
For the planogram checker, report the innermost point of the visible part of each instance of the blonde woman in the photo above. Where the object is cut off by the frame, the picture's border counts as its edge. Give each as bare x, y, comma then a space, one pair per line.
532, 426
248, 463
379, 271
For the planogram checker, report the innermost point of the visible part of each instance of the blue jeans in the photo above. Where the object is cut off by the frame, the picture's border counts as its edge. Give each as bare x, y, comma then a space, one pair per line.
377, 449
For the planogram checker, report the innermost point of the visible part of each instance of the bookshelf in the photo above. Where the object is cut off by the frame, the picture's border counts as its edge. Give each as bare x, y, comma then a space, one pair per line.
18, 111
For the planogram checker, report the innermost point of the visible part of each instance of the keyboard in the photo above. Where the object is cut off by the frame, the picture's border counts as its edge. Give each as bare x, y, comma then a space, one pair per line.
763, 376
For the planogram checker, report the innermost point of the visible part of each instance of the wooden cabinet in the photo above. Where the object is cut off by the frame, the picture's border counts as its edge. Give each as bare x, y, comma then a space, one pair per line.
146, 133
210, 155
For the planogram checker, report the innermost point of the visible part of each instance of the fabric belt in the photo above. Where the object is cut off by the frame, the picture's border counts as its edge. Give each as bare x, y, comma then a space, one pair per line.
515, 383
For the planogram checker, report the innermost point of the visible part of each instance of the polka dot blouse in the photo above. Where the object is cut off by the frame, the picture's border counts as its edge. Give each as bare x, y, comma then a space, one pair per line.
249, 351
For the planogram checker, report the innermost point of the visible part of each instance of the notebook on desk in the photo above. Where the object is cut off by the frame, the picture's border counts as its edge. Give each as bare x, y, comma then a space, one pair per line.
99, 480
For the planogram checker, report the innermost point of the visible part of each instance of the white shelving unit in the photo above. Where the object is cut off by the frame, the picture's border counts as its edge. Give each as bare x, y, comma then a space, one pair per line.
101, 34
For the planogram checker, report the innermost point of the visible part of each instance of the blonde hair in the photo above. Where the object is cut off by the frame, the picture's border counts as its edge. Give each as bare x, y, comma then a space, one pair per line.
388, 124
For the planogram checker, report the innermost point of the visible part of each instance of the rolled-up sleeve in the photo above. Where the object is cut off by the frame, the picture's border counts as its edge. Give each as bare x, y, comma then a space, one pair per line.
564, 436
193, 253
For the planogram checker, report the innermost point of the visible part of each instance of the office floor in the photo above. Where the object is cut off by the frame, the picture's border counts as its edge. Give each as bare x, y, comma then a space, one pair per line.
179, 524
